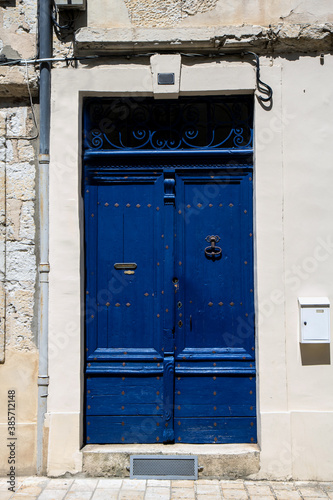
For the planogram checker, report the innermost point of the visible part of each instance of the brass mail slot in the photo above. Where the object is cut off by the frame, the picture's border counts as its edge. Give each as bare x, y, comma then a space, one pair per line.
126, 265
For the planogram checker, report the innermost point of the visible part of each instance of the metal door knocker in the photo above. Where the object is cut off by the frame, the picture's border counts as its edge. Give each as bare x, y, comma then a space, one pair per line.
213, 251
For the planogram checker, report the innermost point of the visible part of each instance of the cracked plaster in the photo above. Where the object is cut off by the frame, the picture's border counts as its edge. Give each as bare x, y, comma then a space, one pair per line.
146, 13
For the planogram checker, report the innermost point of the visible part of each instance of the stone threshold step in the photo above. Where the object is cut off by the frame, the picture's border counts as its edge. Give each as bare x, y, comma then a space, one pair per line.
223, 461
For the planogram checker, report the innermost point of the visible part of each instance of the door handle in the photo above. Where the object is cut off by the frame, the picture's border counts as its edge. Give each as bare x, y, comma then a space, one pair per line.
213, 251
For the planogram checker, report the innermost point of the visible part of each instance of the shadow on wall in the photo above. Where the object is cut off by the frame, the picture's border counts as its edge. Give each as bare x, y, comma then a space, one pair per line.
315, 354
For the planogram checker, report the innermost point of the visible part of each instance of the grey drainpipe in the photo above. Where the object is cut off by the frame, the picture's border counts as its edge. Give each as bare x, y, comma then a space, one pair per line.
45, 51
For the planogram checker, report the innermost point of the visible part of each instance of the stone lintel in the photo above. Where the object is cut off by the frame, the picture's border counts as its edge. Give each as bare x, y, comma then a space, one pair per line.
282, 38
13, 82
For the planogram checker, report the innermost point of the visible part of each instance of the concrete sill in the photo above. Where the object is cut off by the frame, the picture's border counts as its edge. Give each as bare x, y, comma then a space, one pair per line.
227, 461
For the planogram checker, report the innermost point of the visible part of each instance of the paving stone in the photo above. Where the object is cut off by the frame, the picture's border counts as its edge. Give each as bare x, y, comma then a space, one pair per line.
105, 494
78, 495
312, 492
258, 489
287, 495
5, 495
326, 486
134, 484
182, 483
131, 495
52, 495
234, 494
232, 484
23, 497
161, 483
18, 484
206, 489
283, 485
84, 485
208, 481
29, 489
113, 484
59, 484
208, 497
126, 489
179, 493
262, 497
36, 481
156, 493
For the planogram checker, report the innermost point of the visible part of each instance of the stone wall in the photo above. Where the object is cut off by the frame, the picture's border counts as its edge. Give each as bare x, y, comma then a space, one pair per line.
18, 351
18, 261
18, 160
18, 39
185, 13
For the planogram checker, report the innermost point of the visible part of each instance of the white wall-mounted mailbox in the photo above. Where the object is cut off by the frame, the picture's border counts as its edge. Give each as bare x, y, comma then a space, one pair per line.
314, 320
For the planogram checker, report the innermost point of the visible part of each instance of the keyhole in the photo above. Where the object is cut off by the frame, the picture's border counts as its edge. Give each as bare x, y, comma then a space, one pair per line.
175, 280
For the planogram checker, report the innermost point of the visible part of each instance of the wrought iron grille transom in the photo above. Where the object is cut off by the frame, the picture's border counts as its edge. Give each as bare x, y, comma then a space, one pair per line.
206, 123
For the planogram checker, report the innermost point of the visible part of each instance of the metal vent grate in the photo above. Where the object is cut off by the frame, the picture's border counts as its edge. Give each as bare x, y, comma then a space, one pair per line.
164, 467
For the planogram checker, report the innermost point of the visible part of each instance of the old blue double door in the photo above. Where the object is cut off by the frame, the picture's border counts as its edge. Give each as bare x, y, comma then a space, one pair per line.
169, 305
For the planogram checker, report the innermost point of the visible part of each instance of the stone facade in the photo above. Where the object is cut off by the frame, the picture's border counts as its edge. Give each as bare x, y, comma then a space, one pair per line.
18, 226
18, 331
18, 40
293, 400
182, 13
18, 143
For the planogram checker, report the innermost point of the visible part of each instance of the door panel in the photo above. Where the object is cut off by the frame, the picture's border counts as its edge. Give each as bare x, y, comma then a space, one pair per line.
123, 219
214, 342
127, 429
216, 294
214, 430
124, 388
215, 395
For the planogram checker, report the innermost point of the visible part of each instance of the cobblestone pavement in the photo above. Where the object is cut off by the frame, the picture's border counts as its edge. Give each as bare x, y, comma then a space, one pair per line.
41, 488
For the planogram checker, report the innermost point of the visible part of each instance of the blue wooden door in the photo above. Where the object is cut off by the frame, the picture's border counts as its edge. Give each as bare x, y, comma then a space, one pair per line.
214, 373
124, 223
169, 306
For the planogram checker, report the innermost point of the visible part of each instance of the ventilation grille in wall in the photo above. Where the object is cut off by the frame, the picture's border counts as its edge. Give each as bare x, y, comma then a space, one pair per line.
164, 467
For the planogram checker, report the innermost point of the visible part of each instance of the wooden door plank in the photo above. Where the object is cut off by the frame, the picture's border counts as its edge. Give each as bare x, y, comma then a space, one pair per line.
215, 430
124, 429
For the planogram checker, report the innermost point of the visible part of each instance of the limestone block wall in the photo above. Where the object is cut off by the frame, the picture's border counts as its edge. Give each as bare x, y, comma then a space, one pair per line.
18, 351
18, 39
18, 328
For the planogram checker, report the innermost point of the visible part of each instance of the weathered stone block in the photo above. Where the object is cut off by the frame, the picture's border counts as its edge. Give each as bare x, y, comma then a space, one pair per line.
21, 181
13, 218
27, 223
25, 151
16, 122
20, 262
